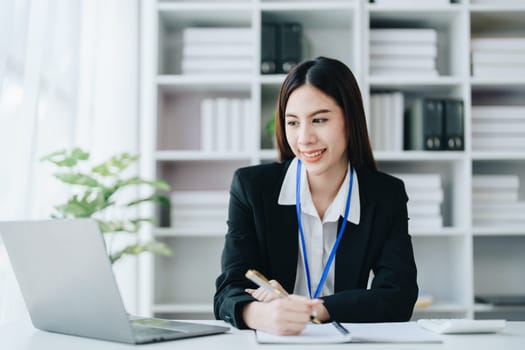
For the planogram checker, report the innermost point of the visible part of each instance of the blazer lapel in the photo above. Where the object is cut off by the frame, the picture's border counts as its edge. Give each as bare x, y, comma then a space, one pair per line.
282, 239
353, 245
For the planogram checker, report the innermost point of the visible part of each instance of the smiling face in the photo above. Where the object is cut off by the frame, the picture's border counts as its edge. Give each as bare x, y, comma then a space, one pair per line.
315, 131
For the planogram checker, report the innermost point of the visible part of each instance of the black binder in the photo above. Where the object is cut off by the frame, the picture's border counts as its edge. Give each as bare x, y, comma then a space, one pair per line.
290, 48
424, 125
453, 129
269, 48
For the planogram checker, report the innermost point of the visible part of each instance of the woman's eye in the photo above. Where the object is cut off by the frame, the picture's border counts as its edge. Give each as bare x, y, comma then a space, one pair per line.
291, 123
319, 120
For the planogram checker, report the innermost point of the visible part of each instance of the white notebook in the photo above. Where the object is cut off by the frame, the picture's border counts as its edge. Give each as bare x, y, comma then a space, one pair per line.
326, 333
391, 332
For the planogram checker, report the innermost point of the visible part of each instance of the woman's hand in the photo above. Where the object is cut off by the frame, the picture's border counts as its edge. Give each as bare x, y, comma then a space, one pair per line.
264, 295
282, 316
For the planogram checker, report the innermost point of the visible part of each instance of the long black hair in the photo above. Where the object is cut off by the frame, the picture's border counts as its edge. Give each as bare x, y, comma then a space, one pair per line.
336, 80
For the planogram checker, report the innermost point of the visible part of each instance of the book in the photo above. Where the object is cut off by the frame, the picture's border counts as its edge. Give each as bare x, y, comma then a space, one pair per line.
484, 182
498, 44
398, 106
215, 65
236, 125
404, 72
430, 221
498, 127
498, 142
494, 197
391, 61
403, 35
498, 57
207, 125
426, 195
407, 50
217, 35
498, 71
217, 50
498, 113
422, 209
426, 181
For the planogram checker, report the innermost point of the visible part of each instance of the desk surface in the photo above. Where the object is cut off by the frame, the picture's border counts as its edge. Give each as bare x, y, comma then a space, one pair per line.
22, 336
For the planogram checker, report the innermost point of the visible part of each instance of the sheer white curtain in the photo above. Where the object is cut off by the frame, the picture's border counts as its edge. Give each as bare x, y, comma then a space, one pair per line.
68, 77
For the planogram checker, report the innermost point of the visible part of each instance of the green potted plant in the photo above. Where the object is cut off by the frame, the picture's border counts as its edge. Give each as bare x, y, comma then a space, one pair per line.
270, 129
95, 192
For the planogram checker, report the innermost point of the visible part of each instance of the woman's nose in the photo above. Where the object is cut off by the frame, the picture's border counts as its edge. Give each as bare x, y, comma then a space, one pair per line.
306, 135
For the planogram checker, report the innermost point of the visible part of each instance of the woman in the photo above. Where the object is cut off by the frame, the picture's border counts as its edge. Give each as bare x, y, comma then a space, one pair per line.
319, 243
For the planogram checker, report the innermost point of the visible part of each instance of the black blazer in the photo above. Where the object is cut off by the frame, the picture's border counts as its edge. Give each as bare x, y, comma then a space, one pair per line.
263, 235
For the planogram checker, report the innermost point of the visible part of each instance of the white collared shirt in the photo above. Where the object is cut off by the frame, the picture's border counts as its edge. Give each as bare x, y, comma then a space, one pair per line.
319, 235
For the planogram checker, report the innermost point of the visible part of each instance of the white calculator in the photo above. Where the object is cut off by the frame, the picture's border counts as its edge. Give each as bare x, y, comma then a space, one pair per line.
461, 325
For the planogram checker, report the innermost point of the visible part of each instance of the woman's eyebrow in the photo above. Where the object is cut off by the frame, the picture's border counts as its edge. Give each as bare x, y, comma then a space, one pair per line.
313, 114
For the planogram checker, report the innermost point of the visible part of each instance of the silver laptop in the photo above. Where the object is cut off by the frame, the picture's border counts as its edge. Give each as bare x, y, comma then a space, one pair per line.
68, 286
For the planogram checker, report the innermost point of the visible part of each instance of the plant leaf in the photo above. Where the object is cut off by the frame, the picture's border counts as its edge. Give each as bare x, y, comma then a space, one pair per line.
83, 206
115, 165
158, 184
66, 159
154, 247
79, 179
163, 200
129, 226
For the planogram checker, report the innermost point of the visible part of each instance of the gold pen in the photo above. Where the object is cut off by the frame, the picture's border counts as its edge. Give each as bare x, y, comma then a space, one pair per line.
259, 279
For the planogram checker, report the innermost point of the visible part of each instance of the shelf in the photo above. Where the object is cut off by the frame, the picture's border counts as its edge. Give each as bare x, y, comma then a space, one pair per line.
470, 259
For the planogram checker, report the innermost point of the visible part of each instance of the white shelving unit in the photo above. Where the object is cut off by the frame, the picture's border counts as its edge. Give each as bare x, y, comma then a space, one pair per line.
455, 262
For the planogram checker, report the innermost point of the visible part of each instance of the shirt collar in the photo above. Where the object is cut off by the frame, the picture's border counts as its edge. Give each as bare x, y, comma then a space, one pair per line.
335, 210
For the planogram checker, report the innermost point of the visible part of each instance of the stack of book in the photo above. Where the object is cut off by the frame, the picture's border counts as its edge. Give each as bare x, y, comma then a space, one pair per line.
217, 50
425, 196
502, 57
403, 51
386, 121
199, 209
225, 124
498, 128
495, 201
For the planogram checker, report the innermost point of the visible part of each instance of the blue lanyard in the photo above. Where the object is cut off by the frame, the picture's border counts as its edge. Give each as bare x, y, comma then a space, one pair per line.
301, 232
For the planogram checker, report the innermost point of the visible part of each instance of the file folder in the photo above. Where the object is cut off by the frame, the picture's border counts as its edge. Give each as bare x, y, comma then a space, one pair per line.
453, 129
424, 125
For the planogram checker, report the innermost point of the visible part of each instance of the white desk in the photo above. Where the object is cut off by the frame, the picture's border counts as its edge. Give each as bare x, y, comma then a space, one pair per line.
20, 336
